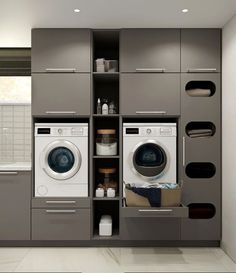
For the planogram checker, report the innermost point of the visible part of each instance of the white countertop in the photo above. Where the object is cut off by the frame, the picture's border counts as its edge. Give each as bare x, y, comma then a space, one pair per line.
15, 166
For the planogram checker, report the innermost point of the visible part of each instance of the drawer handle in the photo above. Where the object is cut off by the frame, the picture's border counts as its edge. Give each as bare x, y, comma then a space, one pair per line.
156, 70
199, 70
151, 112
8, 173
184, 144
60, 70
60, 202
61, 211
61, 112
156, 210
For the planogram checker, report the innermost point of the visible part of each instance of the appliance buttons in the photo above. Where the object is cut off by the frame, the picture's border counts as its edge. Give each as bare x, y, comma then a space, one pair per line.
149, 131
59, 131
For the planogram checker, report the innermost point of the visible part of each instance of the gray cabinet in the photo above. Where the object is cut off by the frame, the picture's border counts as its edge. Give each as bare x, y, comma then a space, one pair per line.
57, 50
150, 50
150, 94
150, 229
15, 196
60, 224
200, 50
58, 202
61, 94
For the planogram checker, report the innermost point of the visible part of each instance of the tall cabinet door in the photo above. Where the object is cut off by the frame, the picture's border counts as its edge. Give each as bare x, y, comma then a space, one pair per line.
150, 50
201, 50
61, 50
201, 155
60, 94
149, 93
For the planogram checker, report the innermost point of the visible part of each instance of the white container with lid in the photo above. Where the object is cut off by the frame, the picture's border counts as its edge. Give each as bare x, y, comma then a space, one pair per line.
105, 226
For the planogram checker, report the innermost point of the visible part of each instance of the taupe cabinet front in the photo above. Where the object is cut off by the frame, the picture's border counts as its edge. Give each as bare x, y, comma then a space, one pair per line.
200, 50
150, 50
15, 198
150, 93
61, 50
61, 94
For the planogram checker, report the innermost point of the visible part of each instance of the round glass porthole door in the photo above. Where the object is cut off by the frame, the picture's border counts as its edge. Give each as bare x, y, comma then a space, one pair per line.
61, 160
149, 159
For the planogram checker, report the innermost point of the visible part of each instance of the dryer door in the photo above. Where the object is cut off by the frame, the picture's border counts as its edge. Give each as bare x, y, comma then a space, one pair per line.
149, 159
61, 160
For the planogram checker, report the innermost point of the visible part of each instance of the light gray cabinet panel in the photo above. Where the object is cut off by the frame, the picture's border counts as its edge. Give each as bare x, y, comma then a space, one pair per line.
61, 224
15, 195
201, 50
151, 49
150, 229
151, 94
65, 49
60, 94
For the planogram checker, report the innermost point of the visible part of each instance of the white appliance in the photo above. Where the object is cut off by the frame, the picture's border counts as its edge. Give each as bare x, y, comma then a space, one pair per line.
61, 159
149, 153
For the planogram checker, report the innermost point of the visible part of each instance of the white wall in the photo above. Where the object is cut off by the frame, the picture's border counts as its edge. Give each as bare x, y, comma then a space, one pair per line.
229, 137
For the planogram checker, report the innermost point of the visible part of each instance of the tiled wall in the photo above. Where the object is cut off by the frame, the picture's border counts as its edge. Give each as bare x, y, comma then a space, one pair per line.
15, 133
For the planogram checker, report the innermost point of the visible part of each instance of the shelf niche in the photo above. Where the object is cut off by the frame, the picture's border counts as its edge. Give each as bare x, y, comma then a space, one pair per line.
196, 129
200, 88
200, 170
201, 211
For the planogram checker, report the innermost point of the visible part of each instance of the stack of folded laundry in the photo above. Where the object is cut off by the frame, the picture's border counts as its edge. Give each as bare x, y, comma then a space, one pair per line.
200, 132
199, 92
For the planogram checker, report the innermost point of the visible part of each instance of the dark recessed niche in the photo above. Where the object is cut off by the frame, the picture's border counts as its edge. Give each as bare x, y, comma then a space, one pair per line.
200, 88
201, 211
200, 170
197, 129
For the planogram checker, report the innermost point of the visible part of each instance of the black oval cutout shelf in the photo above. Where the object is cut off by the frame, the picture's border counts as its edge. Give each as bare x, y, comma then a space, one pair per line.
200, 88
197, 129
201, 211
200, 170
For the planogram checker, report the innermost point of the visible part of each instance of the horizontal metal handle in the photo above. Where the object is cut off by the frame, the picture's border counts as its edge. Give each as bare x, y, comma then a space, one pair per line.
60, 112
60, 70
155, 210
151, 112
196, 70
156, 70
60, 202
8, 173
60, 211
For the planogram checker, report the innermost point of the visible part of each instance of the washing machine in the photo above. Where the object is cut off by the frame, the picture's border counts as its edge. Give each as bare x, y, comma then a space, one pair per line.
61, 160
149, 153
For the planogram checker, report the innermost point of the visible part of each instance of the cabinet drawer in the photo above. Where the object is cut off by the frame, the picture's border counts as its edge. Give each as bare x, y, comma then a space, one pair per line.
150, 94
168, 212
56, 50
61, 224
150, 50
150, 229
60, 202
60, 94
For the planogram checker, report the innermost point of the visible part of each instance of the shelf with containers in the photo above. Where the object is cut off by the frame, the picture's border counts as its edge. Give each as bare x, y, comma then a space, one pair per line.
106, 132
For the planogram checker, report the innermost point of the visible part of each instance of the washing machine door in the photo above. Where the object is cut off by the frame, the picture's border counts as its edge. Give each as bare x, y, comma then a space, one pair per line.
149, 159
61, 160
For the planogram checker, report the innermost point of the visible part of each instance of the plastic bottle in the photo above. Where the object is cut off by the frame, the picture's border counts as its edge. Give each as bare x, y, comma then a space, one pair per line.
105, 108
99, 107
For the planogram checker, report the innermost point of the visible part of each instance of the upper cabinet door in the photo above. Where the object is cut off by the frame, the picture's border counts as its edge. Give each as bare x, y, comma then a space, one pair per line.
150, 50
61, 50
200, 50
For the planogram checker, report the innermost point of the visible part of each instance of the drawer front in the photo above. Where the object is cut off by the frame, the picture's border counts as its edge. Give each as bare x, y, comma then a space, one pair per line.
166, 212
150, 94
60, 202
150, 229
60, 224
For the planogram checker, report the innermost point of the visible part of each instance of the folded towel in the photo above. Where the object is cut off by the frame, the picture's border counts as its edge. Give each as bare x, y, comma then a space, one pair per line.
197, 92
200, 131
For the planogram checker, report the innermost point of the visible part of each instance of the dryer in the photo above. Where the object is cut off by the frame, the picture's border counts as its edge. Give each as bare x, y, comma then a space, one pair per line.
61, 160
149, 153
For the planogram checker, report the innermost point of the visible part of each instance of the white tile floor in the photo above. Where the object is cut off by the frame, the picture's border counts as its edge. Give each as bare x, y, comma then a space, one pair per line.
114, 260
